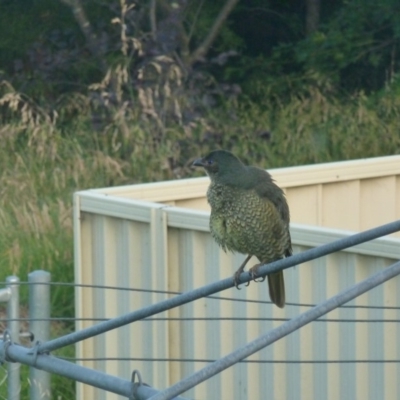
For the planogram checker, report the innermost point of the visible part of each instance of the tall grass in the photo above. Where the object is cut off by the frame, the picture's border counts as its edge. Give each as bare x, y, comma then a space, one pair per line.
43, 160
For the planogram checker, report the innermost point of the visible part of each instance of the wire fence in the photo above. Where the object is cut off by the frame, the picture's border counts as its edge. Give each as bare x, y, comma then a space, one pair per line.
38, 356
168, 292
191, 360
172, 293
29, 335
205, 319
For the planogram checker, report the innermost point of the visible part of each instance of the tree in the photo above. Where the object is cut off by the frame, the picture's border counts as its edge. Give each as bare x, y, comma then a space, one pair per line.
312, 16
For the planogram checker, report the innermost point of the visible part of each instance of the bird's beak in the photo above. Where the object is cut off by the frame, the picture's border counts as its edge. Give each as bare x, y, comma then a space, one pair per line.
198, 163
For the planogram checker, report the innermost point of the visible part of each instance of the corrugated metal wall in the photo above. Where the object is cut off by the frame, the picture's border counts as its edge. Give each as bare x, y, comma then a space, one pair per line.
143, 245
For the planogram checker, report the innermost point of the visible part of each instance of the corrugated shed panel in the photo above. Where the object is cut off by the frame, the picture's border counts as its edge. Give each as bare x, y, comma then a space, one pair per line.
397, 202
377, 201
340, 205
337, 171
150, 246
306, 175
353, 205
352, 195
305, 204
160, 191
320, 341
194, 260
131, 254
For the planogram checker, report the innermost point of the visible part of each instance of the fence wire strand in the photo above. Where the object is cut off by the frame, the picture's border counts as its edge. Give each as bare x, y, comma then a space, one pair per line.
172, 293
239, 362
203, 319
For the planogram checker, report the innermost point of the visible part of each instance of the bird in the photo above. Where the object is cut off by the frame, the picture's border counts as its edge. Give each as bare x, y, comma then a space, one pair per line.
249, 215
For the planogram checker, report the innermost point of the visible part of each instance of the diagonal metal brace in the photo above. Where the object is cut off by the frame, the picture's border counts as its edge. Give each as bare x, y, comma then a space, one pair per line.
280, 332
218, 286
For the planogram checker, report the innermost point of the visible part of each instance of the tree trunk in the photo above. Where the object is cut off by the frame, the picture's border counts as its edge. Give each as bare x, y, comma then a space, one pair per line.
312, 16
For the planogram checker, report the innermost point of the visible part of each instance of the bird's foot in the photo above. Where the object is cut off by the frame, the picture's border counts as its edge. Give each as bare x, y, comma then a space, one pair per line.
253, 273
236, 276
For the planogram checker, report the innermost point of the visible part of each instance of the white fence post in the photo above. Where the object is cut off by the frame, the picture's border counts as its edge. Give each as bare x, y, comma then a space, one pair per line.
39, 325
13, 379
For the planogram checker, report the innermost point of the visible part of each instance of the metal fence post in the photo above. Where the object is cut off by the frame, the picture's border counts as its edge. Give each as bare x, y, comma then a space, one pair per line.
39, 325
13, 379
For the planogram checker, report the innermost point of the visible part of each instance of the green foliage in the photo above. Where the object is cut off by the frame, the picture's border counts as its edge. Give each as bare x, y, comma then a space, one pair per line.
23, 22
146, 117
43, 49
42, 162
199, 18
357, 46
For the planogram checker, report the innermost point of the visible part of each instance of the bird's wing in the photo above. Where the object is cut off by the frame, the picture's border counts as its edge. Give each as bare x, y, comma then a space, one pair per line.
262, 183
265, 187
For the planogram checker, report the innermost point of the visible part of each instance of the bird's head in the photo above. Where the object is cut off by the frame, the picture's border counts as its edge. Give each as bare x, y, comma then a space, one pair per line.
221, 166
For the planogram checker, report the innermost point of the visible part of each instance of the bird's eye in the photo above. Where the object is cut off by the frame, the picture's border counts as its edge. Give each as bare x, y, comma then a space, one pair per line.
210, 162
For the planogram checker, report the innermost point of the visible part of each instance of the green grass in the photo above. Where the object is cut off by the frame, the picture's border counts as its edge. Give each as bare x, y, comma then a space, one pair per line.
42, 163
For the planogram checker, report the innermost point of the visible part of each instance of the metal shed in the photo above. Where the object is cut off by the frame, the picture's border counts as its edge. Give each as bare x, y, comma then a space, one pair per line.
155, 238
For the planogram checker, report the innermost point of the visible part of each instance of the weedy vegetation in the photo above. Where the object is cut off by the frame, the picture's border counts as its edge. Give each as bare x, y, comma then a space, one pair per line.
145, 119
44, 160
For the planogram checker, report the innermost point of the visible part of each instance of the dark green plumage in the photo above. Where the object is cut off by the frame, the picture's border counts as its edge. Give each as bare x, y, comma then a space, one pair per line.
249, 214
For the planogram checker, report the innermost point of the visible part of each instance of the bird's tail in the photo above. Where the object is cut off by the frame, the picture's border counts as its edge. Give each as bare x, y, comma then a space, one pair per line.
276, 285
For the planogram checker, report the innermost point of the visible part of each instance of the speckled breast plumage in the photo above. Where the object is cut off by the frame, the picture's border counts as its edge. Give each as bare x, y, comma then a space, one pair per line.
241, 221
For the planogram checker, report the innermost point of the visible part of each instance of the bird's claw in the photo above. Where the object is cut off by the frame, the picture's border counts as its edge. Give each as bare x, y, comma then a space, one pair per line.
236, 280
253, 274
239, 271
